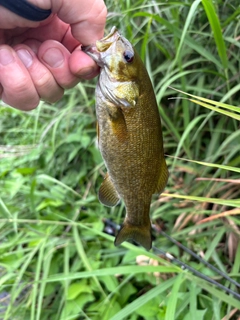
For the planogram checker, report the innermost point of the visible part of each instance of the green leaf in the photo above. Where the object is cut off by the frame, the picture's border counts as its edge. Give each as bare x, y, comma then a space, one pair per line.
125, 292
151, 309
142, 300
198, 315
109, 282
49, 203
74, 307
77, 288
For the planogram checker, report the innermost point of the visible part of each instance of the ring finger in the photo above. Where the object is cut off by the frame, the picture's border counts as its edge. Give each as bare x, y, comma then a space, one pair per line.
17, 88
43, 80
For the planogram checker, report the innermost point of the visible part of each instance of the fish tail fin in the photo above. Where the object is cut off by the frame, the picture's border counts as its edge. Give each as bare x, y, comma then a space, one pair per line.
140, 234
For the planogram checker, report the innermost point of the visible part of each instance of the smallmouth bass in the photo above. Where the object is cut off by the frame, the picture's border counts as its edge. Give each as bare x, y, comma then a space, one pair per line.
129, 135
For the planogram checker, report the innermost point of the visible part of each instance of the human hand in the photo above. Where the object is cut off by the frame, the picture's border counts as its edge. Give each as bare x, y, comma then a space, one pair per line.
38, 60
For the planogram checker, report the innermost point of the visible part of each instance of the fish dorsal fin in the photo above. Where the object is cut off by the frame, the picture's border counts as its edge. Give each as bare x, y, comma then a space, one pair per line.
162, 180
107, 193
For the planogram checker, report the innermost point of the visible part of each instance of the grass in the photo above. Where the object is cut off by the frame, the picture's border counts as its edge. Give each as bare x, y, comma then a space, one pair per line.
56, 259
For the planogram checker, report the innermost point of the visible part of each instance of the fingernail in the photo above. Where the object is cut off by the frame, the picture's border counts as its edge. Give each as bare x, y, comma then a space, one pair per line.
6, 57
86, 72
25, 57
53, 57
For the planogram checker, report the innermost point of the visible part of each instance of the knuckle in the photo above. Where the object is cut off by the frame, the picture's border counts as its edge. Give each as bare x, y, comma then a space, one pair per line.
43, 81
56, 96
28, 106
20, 87
47, 87
21, 95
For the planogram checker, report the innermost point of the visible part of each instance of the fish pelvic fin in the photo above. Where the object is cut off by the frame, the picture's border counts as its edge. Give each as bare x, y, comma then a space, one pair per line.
140, 234
107, 193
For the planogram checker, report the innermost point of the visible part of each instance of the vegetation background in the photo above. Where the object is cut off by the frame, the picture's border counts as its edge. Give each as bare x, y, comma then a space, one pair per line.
56, 259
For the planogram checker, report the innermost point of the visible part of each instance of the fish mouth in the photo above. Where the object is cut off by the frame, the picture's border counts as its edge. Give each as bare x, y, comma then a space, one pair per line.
92, 52
108, 39
101, 46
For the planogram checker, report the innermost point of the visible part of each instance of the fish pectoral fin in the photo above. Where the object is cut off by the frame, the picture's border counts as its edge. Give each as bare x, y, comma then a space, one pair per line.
118, 124
162, 180
107, 193
113, 111
140, 234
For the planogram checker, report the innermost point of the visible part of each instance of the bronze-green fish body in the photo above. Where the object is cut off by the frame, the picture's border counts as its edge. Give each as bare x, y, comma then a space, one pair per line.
129, 135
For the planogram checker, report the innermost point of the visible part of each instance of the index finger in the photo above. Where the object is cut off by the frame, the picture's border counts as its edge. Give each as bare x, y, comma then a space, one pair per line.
87, 18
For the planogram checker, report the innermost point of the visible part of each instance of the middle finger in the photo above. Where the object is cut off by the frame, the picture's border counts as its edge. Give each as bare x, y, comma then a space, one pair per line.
43, 80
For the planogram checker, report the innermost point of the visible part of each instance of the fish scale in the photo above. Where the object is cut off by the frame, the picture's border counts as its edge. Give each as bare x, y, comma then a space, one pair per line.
130, 135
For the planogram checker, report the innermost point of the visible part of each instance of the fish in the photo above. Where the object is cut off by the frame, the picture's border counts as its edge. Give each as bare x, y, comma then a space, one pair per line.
129, 135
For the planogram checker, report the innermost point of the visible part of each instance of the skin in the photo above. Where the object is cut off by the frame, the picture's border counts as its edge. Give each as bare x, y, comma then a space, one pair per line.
130, 135
38, 60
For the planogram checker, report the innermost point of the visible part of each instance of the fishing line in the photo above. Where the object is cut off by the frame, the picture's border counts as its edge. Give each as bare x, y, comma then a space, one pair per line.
200, 259
183, 265
200, 275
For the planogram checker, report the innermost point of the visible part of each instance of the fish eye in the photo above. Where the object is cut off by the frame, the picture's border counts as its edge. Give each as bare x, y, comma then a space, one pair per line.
128, 56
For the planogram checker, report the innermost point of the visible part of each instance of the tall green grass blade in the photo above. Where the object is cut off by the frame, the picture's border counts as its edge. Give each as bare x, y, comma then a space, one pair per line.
45, 273
214, 244
35, 290
217, 31
212, 165
190, 17
224, 202
4, 210
44, 177
173, 299
111, 271
209, 104
219, 294
84, 258
213, 102
227, 96
186, 134
178, 33
131, 307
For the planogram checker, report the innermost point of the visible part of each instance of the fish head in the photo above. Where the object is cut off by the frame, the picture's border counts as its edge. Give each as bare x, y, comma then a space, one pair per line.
116, 56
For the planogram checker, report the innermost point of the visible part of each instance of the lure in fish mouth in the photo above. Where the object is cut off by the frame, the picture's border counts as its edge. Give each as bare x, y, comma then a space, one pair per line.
129, 135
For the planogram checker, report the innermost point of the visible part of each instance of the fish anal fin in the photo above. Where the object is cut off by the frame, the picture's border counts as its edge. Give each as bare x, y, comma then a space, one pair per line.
162, 180
107, 193
140, 234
